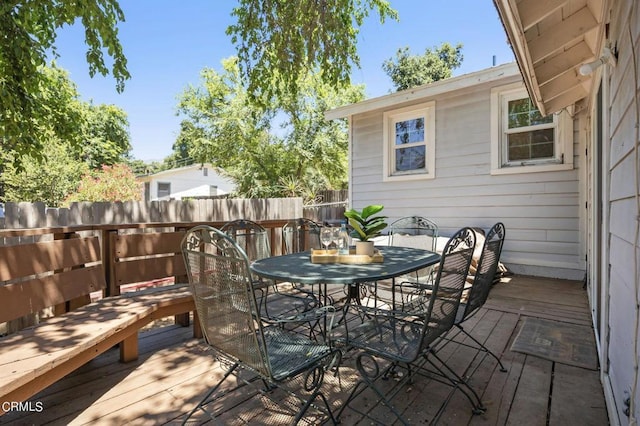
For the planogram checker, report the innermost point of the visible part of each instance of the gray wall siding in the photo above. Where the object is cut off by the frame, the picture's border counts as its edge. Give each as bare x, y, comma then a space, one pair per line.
624, 87
540, 210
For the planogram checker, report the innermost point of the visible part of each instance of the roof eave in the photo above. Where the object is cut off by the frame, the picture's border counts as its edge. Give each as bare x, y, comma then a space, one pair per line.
550, 40
425, 91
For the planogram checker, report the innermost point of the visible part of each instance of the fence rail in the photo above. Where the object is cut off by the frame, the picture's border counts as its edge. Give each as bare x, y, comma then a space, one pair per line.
37, 215
331, 213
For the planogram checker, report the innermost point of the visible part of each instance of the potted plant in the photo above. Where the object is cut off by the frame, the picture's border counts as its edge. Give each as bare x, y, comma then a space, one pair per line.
366, 225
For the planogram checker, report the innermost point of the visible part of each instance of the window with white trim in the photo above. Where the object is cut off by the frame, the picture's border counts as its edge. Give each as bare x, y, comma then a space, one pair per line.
522, 140
409, 143
164, 189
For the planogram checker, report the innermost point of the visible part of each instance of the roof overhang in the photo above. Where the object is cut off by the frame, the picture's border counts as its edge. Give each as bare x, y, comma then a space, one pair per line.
425, 91
551, 39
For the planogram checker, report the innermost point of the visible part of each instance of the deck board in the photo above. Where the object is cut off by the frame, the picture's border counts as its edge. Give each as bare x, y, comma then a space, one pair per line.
175, 370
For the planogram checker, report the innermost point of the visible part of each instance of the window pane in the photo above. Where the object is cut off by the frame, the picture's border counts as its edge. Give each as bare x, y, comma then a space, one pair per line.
522, 113
164, 189
410, 131
534, 145
412, 158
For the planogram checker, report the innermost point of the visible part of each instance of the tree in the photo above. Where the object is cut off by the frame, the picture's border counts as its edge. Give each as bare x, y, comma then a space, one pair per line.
105, 133
111, 183
408, 70
28, 116
280, 42
277, 44
57, 170
180, 154
50, 180
281, 149
140, 167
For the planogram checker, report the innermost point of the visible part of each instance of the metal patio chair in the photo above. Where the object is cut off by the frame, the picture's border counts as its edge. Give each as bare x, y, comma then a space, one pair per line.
250, 236
476, 296
279, 306
300, 235
403, 336
415, 232
227, 308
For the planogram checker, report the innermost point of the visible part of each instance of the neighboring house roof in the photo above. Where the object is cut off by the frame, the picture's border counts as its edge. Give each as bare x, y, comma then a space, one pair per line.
551, 40
426, 90
177, 170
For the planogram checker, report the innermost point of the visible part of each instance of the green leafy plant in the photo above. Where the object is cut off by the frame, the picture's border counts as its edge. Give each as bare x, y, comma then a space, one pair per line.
364, 223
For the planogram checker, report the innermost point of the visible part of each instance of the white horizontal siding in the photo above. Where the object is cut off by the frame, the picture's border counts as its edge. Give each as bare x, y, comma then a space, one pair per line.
191, 182
623, 248
624, 86
541, 211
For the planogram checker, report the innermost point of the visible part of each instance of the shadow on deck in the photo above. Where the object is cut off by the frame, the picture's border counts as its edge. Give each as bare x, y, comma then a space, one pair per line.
174, 371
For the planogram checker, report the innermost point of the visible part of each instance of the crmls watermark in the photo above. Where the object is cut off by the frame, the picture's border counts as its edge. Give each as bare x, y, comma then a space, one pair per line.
27, 406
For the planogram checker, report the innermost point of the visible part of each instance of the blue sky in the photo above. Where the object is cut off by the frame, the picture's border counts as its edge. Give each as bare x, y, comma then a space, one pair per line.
167, 43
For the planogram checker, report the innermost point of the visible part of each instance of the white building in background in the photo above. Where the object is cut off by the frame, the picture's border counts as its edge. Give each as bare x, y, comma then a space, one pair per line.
196, 180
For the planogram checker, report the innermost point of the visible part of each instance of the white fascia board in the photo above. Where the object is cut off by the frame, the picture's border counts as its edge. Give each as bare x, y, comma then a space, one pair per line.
425, 91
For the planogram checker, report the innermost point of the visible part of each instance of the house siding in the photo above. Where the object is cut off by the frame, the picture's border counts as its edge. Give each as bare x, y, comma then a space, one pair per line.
189, 182
541, 211
622, 296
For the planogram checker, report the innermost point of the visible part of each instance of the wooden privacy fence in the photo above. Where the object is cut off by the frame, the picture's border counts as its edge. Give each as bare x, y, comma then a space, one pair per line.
37, 215
330, 207
331, 213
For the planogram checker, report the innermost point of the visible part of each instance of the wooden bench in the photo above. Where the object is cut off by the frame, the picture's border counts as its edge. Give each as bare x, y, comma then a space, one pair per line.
62, 273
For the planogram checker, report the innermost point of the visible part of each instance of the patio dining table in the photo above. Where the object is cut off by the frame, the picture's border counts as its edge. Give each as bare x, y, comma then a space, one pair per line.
299, 268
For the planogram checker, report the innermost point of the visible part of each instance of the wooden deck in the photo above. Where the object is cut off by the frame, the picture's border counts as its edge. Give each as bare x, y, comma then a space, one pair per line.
174, 371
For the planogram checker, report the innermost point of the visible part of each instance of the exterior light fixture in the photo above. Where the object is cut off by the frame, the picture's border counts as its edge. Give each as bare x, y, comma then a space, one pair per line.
607, 58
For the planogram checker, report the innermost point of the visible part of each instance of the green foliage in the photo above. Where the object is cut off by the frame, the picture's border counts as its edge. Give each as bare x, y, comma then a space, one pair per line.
180, 155
51, 174
29, 115
105, 133
140, 167
364, 223
282, 149
111, 183
407, 70
49, 180
280, 42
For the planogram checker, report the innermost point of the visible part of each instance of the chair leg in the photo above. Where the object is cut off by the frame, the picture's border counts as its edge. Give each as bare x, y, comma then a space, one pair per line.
457, 382
208, 395
314, 395
313, 380
368, 381
483, 347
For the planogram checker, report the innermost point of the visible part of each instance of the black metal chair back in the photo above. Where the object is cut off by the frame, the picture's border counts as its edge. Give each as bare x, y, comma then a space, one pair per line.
403, 334
300, 235
477, 295
227, 308
486, 272
414, 231
250, 236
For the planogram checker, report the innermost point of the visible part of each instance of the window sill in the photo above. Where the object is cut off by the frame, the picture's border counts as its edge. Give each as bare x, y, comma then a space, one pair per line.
408, 177
531, 169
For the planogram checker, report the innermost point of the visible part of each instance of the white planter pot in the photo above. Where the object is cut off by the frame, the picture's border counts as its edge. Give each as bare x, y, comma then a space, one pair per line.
364, 247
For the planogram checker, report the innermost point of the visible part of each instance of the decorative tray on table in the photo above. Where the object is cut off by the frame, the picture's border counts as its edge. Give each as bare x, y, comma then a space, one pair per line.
333, 256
